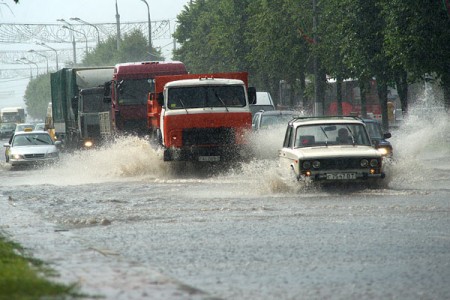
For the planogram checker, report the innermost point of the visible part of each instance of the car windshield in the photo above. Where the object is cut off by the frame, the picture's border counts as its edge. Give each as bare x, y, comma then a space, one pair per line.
374, 130
331, 134
31, 140
39, 126
275, 120
22, 127
8, 126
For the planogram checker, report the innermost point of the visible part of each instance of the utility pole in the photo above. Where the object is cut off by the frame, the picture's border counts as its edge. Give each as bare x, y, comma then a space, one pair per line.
118, 26
149, 29
74, 45
318, 101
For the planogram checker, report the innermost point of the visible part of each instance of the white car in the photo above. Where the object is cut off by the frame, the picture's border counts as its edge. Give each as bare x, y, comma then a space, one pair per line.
330, 149
26, 148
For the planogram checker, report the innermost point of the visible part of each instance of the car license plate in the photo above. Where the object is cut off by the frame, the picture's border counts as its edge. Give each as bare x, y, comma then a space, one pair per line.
209, 158
341, 176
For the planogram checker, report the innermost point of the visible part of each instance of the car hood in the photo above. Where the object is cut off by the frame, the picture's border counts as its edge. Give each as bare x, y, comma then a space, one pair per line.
338, 151
34, 149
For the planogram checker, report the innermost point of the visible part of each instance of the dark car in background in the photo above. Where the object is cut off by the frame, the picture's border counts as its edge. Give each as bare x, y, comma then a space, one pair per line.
273, 118
378, 137
7, 129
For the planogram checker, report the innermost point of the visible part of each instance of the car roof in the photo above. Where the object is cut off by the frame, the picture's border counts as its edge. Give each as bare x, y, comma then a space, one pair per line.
278, 112
326, 120
31, 132
370, 121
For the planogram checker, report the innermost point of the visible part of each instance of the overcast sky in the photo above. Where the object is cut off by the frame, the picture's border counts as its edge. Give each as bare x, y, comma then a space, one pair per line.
91, 11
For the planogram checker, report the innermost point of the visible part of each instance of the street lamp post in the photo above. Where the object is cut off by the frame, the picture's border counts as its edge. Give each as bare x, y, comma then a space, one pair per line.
149, 26
31, 62
35, 52
56, 52
85, 37
31, 71
84, 22
73, 42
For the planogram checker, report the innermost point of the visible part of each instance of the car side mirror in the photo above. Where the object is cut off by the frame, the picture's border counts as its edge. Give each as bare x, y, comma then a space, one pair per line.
251, 91
387, 135
6, 145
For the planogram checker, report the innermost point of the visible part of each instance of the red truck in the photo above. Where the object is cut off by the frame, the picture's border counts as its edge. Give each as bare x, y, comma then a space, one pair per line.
201, 117
128, 92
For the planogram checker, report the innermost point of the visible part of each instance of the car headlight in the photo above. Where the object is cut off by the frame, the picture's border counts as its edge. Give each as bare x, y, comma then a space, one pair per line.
306, 165
17, 156
384, 151
374, 162
364, 163
88, 144
316, 164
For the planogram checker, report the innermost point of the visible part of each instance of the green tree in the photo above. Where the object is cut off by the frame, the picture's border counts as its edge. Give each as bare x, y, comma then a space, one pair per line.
279, 50
417, 38
134, 47
37, 96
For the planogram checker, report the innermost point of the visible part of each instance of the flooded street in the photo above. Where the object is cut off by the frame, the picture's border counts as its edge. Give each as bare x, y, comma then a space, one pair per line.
126, 225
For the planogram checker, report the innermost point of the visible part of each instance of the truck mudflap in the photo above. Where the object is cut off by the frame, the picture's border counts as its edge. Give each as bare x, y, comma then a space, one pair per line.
207, 154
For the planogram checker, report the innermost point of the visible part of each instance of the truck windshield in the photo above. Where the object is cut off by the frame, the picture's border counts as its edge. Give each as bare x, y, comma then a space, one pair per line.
133, 91
93, 103
206, 96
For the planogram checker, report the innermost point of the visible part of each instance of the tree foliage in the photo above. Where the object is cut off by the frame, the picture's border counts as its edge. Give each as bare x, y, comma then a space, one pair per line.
37, 96
133, 47
385, 39
391, 40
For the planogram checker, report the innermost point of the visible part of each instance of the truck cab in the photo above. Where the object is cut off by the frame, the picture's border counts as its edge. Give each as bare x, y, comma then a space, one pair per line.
203, 117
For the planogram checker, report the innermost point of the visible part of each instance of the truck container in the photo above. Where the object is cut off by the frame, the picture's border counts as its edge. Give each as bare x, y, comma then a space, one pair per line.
201, 117
71, 123
12, 115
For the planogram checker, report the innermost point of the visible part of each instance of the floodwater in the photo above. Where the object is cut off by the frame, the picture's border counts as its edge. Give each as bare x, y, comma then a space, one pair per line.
126, 225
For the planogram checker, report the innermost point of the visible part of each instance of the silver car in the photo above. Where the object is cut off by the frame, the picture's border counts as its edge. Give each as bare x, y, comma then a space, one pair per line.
26, 148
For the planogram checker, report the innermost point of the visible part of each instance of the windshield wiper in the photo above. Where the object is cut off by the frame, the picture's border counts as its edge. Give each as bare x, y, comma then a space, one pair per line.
351, 134
42, 141
221, 101
184, 106
326, 136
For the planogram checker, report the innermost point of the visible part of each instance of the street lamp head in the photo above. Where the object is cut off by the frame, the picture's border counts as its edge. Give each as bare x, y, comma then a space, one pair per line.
75, 19
31, 50
64, 26
60, 20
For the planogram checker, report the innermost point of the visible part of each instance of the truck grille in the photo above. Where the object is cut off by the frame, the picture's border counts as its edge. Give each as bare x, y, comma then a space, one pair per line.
208, 136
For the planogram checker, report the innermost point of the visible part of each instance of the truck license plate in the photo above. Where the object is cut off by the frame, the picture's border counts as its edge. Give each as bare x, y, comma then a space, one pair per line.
341, 176
209, 158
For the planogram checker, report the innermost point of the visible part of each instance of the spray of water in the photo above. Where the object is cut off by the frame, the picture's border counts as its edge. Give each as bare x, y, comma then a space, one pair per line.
422, 138
127, 157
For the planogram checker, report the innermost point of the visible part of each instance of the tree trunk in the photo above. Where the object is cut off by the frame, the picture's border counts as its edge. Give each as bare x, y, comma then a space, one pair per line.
362, 92
339, 95
445, 83
382, 89
402, 90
